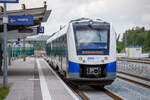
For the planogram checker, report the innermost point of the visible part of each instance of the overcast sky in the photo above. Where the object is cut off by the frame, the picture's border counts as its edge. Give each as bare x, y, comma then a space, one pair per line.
124, 14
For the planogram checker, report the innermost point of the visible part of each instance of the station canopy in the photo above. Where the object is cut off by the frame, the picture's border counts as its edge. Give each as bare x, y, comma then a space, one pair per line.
39, 14
37, 38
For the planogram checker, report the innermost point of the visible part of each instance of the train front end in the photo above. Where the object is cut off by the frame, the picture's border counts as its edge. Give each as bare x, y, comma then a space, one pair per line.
91, 52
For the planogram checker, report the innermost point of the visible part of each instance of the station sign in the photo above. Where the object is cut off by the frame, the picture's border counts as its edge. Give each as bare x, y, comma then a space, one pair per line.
40, 29
20, 20
9, 1
25, 30
17, 42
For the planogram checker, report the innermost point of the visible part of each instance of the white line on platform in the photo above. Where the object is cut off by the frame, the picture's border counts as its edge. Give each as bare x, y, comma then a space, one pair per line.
44, 88
68, 89
33, 79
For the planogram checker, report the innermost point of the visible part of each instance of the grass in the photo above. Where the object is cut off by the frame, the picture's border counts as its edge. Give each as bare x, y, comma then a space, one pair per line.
3, 93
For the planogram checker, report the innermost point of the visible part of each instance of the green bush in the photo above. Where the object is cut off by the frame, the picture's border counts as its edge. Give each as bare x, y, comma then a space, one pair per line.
3, 93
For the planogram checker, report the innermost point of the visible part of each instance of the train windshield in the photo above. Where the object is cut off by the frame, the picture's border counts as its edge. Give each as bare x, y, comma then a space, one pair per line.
92, 39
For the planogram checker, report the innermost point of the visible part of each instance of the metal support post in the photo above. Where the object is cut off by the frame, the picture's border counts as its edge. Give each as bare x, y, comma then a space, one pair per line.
9, 55
12, 53
24, 50
5, 50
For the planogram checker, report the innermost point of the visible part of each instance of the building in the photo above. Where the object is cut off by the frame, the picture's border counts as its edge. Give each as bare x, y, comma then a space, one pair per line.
133, 51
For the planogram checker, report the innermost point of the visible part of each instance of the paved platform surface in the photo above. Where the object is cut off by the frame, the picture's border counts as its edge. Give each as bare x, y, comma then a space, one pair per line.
35, 80
56, 87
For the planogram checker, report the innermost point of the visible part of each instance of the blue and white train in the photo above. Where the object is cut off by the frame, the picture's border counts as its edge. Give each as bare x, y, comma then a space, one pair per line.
84, 52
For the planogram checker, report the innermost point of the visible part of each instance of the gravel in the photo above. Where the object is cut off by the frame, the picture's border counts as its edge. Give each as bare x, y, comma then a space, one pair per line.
129, 91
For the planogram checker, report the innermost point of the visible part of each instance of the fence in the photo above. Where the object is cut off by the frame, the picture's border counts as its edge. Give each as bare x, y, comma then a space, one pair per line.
125, 66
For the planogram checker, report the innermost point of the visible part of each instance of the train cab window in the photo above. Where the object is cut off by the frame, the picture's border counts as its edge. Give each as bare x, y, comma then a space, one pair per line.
92, 41
96, 37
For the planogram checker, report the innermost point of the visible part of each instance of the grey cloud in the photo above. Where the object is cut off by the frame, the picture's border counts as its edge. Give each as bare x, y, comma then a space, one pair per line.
123, 14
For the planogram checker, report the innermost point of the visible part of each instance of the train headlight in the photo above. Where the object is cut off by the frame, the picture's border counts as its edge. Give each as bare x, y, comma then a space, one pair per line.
80, 58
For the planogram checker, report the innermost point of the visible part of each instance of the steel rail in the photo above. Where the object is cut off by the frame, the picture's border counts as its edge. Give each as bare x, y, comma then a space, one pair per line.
135, 60
109, 93
133, 75
73, 87
135, 82
81, 94
113, 95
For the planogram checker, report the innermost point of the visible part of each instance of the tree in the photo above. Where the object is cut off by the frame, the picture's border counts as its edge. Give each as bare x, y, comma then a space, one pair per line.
135, 37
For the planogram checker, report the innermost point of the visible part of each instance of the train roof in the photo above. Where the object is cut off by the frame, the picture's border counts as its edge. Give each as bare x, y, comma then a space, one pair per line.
64, 29
57, 34
87, 19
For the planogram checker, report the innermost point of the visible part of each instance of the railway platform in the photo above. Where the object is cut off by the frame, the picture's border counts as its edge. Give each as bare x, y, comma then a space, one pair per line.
35, 80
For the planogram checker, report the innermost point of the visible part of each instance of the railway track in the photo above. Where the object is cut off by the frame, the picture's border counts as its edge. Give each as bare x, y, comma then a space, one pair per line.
76, 90
143, 59
98, 90
114, 96
137, 76
82, 94
142, 81
146, 61
73, 87
98, 93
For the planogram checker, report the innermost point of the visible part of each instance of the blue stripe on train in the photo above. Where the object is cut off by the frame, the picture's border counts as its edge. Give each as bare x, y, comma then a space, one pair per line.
75, 67
111, 67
